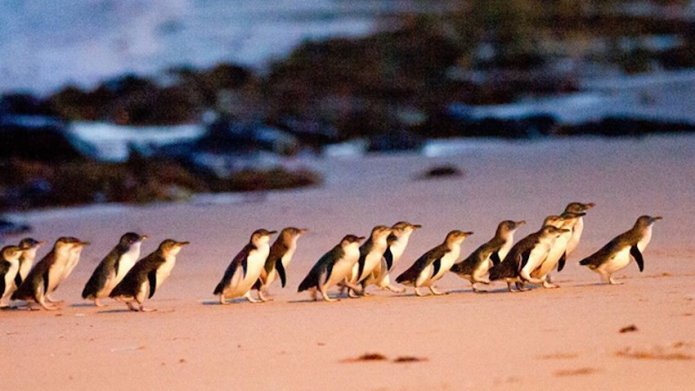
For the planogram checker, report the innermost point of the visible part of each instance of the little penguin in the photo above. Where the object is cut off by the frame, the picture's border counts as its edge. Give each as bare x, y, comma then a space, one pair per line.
578, 228
9, 267
147, 275
279, 257
531, 250
245, 268
432, 265
396, 243
616, 254
113, 267
44, 276
333, 268
558, 251
29, 247
371, 255
476, 266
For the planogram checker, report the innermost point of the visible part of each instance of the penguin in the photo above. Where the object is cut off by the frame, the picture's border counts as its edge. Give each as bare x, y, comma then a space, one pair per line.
42, 278
371, 256
396, 243
245, 268
280, 256
432, 265
9, 267
113, 267
29, 247
530, 250
333, 268
147, 275
558, 251
577, 229
476, 266
615, 255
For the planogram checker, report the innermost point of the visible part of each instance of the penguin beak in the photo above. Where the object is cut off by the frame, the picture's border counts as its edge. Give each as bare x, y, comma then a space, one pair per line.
181, 244
272, 232
302, 231
656, 218
520, 222
361, 238
468, 233
590, 205
144, 237
416, 226
82, 244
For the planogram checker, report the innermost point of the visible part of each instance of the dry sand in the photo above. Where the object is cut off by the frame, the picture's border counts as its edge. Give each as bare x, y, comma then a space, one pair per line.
567, 338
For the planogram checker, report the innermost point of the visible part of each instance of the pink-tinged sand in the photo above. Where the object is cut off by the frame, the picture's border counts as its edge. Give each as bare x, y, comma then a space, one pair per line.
567, 338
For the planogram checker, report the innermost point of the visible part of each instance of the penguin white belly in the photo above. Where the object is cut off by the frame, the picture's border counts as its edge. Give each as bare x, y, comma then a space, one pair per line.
482, 269
556, 250
240, 285
618, 261
9, 280
55, 276
127, 261
536, 258
425, 277
72, 263
372, 261
343, 268
642, 244
504, 250
447, 261
576, 235
165, 269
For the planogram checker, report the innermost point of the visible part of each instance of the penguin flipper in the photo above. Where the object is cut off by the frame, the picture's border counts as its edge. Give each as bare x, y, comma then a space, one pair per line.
18, 280
388, 256
281, 272
2, 286
360, 265
152, 278
524, 259
561, 262
634, 251
45, 282
495, 258
437, 265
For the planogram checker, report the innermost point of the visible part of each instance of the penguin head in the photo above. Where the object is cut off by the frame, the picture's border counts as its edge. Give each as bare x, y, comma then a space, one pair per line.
29, 244
578, 207
171, 246
351, 240
646, 220
553, 220
63, 244
130, 238
290, 233
261, 236
11, 253
457, 236
76, 245
380, 232
404, 227
552, 231
508, 226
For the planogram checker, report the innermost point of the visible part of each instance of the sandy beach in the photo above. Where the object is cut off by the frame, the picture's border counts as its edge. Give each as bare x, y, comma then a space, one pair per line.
567, 338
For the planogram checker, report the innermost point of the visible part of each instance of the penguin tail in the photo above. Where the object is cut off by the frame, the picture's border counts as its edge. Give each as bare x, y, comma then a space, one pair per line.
218, 289
456, 268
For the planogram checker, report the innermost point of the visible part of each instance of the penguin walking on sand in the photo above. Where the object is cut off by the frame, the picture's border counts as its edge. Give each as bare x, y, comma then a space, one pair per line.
577, 228
9, 267
396, 243
147, 275
558, 251
279, 257
113, 267
333, 268
616, 254
46, 275
245, 268
432, 265
524, 257
477, 265
371, 256
29, 247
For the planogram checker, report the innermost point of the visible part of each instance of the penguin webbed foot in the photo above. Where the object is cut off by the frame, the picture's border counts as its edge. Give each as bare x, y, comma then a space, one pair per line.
248, 297
611, 281
436, 292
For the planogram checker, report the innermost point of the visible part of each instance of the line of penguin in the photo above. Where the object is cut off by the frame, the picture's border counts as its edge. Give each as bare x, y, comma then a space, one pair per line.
349, 266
